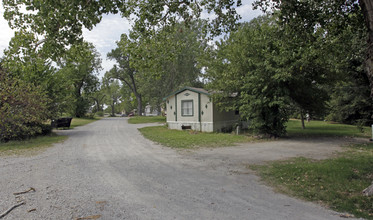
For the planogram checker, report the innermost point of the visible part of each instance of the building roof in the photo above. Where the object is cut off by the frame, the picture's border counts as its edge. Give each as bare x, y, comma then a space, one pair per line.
193, 89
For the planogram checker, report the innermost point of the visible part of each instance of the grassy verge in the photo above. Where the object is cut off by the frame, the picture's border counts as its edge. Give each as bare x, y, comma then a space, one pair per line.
82, 121
321, 128
30, 146
37, 144
191, 139
336, 182
147, 119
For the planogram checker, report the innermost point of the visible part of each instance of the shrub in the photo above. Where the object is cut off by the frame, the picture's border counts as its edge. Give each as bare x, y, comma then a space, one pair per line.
100, 114
23, 109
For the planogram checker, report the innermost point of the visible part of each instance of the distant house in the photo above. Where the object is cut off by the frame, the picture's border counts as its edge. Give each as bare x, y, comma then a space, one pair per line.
193, 108
150, 111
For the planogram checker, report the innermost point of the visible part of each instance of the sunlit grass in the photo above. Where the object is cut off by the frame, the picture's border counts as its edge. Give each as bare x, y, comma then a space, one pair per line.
322, 128
82, 121
191, 139
147, 119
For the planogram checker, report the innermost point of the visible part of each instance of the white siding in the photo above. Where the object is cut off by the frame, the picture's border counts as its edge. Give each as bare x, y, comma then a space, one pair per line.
205, 116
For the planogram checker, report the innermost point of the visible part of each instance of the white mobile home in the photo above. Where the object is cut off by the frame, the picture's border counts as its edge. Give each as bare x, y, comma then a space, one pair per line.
193, 108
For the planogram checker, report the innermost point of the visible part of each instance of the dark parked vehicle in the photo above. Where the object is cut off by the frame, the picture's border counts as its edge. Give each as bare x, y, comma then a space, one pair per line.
61, 123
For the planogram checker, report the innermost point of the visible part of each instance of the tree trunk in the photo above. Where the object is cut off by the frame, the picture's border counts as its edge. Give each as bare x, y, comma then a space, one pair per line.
139, 104
367, 7
112, 109
159, 110
302, 119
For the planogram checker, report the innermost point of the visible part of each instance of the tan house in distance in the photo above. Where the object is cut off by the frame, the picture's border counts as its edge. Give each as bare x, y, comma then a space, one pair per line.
193, 108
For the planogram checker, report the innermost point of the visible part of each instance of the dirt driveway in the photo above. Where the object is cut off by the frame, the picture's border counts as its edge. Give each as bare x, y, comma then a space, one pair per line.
107, 170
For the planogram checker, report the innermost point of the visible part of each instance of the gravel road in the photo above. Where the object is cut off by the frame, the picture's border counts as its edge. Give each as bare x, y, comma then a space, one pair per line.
107, 170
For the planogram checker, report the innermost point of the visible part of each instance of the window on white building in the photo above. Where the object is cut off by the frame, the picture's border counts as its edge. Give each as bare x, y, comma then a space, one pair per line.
187, 108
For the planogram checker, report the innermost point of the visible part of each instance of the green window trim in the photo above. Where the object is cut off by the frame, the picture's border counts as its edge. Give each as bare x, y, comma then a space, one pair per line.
189, 108
176, 107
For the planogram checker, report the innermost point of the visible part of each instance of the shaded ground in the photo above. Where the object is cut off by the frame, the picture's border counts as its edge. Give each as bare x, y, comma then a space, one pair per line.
260, 152
107, 170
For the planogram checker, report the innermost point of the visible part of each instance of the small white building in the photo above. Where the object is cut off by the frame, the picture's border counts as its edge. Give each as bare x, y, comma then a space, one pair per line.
193, 108
150, 111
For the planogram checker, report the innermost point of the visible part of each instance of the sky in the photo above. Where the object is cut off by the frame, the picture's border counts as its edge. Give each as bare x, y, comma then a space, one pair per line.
108, 31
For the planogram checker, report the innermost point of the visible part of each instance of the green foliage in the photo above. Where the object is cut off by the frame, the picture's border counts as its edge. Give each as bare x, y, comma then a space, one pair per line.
247, 64
277, 69
147, 119
78, 70
343, 38
99, 114
23, 109
306, 16
168, 60
350, 97
125, 72
98, 98
336, 182
60, 24
191, 139
111, 88
22, 60
154, 66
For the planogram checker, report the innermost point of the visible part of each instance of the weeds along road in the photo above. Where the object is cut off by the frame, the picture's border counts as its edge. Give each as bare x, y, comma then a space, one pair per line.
107, 170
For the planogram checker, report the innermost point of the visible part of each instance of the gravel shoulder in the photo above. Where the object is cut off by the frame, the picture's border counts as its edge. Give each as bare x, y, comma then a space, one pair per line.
107, 170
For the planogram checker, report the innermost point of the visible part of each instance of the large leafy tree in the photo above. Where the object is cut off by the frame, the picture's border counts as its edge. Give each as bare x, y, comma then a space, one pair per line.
332, 15
112, 90
124, 70
153, 66
169, 59
79, 68
22, 60
350, 96
245, 64
271, 72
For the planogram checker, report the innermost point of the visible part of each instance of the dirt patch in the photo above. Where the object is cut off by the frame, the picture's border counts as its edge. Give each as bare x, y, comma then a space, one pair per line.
261, 152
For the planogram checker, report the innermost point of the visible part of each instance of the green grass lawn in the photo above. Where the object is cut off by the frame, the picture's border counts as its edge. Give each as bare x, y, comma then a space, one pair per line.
30, 146
321, 128
191, 139
147, 119
336, 182
82, 121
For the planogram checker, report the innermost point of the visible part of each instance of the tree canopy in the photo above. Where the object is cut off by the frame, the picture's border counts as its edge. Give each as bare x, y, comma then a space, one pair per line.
331, 15
59, 23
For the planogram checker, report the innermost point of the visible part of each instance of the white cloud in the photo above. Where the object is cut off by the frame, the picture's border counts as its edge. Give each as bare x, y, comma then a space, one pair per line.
246, 10
105, 35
